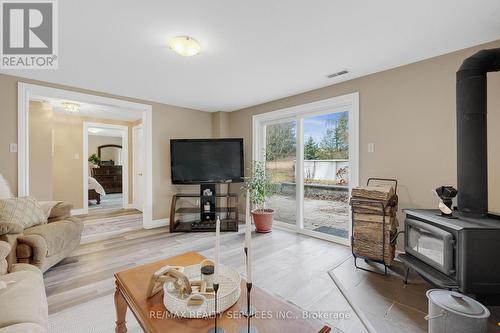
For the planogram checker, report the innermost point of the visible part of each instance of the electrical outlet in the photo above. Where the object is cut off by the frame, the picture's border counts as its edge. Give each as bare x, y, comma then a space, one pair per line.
371, 147
13, 147
76, 156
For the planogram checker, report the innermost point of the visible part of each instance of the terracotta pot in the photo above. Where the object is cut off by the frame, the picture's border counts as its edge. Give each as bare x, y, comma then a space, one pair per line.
263, 219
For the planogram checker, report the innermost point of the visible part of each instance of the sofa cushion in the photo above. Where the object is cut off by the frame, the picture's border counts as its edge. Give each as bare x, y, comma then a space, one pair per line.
24, 211
58, 235
5, 192
23, 301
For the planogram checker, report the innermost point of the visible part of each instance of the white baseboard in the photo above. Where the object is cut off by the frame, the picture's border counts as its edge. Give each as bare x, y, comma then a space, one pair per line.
128, 206
156, 223
79, 211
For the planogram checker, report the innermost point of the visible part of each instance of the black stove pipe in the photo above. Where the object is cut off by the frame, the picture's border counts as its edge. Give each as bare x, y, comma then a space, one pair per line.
472, 145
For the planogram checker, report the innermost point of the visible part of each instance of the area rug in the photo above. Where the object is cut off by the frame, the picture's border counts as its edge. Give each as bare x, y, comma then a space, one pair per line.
96, 316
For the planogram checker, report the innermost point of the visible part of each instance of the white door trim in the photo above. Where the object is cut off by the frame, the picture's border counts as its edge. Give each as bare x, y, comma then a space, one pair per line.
298, 113
125, 162
134, 204
26, 91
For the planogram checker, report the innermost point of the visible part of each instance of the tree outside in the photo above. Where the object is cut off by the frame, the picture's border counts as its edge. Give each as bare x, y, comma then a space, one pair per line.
311, 149
335, 143
281, 141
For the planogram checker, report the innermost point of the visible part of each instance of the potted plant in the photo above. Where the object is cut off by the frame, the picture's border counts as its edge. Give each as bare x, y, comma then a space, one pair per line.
94, 160
260, 187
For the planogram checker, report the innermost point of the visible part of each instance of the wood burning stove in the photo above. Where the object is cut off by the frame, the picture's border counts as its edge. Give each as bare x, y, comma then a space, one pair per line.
461, 251
458, 253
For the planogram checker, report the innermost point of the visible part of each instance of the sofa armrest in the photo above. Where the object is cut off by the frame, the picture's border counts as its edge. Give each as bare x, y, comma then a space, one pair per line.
38, 248
25, 267
56, 210
60, 212
10, 228
12, 240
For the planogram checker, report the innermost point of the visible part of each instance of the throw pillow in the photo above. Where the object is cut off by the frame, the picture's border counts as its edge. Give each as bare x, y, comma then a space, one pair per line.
4, 189
24, 211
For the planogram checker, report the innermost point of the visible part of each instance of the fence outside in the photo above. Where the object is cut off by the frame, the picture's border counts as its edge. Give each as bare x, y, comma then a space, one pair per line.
324, 169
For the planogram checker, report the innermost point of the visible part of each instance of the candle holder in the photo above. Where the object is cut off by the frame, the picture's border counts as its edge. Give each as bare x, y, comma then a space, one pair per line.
216, 329
249, 312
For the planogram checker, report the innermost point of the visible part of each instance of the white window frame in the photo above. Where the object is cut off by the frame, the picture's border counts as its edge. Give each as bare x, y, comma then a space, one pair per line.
349, 102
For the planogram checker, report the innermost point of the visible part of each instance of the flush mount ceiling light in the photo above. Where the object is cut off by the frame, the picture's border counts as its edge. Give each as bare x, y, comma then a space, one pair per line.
184, 46
71, 107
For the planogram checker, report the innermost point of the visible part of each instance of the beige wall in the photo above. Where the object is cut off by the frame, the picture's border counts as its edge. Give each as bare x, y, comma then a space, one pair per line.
68, 164
220, 124
409, 113
168, 122
40, 142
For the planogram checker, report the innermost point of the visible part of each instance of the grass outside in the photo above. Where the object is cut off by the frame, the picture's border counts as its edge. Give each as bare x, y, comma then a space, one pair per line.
281, 171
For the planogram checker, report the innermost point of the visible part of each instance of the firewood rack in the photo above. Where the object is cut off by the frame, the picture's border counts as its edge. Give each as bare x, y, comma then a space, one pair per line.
383, 207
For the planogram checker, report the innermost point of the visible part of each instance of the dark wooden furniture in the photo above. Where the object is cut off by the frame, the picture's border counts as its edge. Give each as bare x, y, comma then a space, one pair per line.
195, 224
131, 291
110, 178
93, 195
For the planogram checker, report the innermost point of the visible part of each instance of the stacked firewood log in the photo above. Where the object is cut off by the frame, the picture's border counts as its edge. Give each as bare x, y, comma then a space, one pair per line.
368, 217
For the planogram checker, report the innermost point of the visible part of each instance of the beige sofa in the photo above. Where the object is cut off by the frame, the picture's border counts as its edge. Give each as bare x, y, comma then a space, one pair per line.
23, 303
43, 245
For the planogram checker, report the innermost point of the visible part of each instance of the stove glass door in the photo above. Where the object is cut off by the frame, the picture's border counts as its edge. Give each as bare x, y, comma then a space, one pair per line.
430, 244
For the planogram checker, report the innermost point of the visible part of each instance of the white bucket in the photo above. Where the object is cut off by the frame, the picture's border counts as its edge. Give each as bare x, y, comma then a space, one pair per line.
452, 312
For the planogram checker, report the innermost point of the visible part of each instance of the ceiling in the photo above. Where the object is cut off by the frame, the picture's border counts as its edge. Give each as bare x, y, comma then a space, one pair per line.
253, 51
93, 110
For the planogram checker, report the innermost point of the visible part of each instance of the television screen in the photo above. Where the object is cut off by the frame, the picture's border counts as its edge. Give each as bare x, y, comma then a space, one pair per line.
197, 161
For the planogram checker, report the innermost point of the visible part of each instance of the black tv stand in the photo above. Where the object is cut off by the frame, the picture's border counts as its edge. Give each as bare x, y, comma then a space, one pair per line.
209, 198
199, 219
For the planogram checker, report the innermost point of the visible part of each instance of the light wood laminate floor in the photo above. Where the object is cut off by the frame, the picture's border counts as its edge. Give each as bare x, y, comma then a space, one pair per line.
291, 266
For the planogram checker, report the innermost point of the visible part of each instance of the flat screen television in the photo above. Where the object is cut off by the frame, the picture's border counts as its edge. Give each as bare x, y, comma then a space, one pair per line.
206, 161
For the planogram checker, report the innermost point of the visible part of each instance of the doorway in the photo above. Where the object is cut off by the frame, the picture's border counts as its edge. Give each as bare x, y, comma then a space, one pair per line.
30, 92
311, 154
105, 165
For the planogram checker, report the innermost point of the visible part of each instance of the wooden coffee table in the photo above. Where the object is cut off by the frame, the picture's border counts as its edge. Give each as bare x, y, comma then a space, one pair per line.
132, 285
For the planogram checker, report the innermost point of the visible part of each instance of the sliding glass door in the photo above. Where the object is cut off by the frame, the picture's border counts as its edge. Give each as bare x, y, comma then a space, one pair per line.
326, 173
311, 154
280, 154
